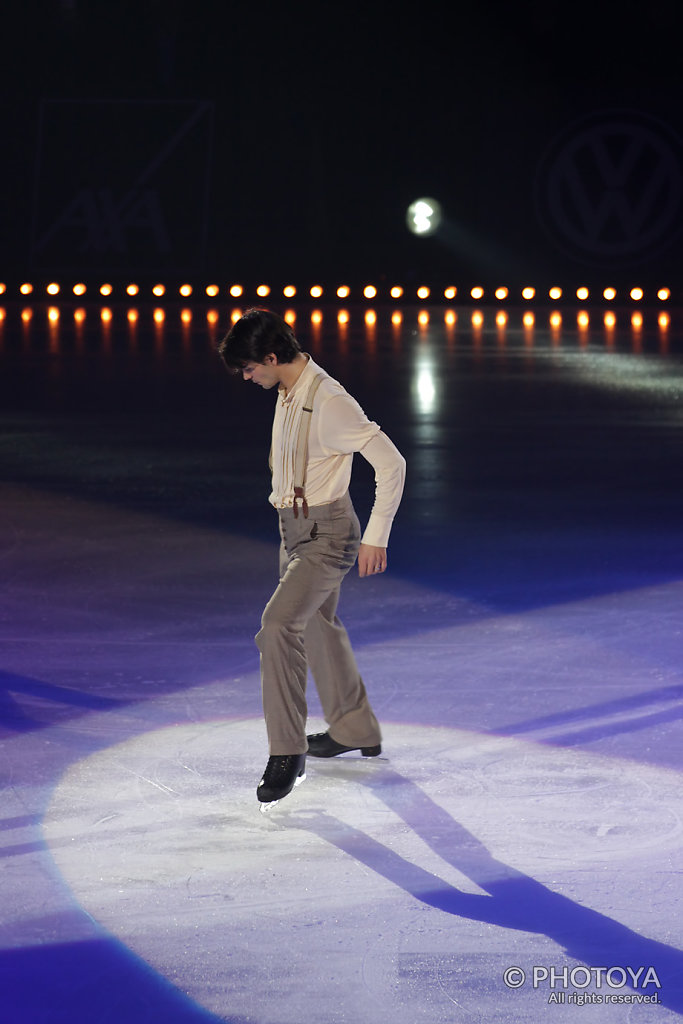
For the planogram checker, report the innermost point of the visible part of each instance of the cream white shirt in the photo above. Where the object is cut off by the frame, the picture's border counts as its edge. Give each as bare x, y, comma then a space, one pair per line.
339, 427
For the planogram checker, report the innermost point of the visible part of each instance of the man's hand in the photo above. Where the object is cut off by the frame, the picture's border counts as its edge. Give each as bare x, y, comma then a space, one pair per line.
371, 560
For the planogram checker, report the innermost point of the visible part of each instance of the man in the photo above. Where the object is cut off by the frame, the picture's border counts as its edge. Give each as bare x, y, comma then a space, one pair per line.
316, 429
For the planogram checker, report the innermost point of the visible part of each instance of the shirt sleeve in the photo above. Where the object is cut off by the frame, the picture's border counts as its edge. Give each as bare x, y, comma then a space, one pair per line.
344, 428
390, 470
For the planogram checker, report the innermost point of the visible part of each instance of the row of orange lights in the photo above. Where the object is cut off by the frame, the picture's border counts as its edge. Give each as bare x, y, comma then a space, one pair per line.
555, 319
370, 291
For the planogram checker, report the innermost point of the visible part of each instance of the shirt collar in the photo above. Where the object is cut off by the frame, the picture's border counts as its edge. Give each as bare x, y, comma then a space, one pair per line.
303, 377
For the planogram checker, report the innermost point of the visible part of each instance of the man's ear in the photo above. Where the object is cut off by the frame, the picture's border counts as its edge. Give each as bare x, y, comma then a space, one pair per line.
271, 359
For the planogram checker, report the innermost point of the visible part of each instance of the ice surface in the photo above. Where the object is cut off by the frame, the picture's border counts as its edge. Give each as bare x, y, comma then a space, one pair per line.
523, 654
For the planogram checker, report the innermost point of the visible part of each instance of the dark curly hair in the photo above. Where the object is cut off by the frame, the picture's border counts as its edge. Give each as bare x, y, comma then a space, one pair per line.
254, 336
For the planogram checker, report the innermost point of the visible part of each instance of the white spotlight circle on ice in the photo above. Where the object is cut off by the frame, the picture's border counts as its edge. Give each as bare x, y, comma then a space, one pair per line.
424, 216
160, 840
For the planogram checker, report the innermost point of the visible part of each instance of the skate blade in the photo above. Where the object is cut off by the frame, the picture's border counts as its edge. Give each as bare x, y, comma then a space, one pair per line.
267, 807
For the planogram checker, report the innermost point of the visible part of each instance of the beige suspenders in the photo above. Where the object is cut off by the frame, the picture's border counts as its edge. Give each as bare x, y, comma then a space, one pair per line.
301, 457
301, 454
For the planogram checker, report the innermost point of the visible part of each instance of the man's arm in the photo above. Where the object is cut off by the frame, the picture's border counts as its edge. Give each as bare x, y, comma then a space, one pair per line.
390, 468
344, 427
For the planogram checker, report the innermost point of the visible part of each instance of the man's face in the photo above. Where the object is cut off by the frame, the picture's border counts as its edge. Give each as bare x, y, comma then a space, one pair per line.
266, 373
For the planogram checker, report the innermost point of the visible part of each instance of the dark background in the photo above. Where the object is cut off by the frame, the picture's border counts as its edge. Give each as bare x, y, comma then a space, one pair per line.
311, 129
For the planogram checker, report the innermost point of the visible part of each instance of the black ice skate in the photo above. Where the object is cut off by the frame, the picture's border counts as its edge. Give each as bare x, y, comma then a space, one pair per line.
321, 744
282, 774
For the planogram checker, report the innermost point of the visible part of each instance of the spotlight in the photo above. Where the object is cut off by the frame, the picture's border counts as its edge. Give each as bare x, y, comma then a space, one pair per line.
555, 293
423, 292
424, 216
396, 292
370, 291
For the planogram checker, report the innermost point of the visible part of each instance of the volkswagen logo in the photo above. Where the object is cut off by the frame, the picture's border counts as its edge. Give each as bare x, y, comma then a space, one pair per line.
609, 189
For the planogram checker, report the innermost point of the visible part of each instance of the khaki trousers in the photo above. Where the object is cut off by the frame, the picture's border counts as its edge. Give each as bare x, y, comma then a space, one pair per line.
300, 629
